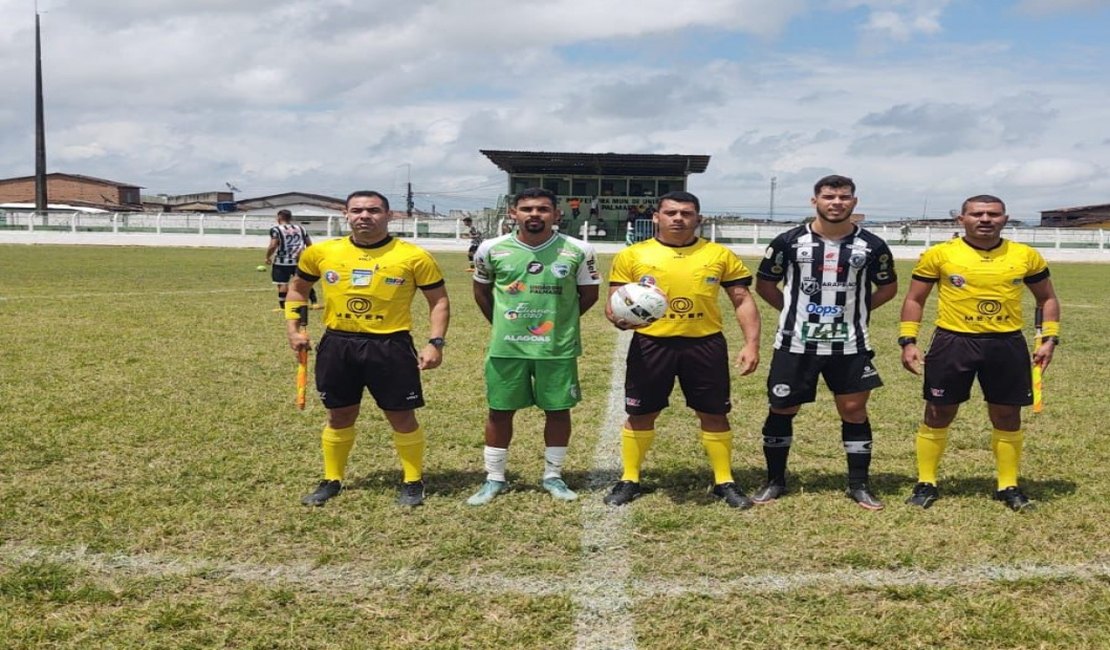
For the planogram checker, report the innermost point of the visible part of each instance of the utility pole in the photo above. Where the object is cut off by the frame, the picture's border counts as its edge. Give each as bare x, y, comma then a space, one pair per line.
771, 212
408, 201
41, 203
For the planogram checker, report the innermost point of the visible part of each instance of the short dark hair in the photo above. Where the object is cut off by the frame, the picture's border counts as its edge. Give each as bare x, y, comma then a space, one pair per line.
679, 196
467, 220
285, 214
536, 193
369, 194
983, 198
835, 181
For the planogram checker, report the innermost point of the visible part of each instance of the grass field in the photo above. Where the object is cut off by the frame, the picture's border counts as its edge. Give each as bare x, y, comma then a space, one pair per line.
152, 460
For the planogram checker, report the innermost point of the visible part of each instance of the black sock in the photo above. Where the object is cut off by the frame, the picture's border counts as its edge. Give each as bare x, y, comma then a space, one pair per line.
778, 434
857, 447
312, 296
281, 299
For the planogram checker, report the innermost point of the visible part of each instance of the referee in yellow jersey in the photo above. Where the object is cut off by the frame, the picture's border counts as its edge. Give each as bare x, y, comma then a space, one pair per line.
686, 343
371, 281
978, 335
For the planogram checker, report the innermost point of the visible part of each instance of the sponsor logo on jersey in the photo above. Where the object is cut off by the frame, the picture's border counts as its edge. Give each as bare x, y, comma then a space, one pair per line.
712, 279
500, 254
535, 268
361, 277
396, 282
515, 287
526, 338
524, 310
882, 275
769, 253
681, 305
560, 270
542, 328
824, 310
780, 390
838, 285
989, 307
331, 277
957, 280
358, 305
805, 254
868, 371
646, 279
554, 289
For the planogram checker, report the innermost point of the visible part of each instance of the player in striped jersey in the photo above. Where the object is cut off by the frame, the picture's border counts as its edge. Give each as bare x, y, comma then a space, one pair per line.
827, 269
287, 241
979, 279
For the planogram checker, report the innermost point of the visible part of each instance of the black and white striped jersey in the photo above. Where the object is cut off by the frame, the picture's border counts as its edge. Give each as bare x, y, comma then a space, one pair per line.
827, 288
292, 240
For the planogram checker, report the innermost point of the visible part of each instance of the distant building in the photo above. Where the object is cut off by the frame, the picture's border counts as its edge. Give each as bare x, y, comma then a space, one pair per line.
304, 206
75, 190
219, 201
1088, 215
624, 186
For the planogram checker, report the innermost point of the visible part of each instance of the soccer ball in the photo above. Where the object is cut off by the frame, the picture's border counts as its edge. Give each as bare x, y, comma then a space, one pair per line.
260, 267
638, 304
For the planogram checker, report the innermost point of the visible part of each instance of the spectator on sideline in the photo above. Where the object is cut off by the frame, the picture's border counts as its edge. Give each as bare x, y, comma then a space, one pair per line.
372, 279
475, 236
827, 268
287, 241
686, 343
532, 286
978, 334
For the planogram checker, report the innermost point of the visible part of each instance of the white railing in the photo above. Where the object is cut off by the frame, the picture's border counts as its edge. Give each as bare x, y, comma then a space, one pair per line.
452, 228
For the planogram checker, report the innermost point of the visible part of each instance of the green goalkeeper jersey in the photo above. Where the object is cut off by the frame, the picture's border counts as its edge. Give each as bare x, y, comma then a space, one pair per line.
535, 294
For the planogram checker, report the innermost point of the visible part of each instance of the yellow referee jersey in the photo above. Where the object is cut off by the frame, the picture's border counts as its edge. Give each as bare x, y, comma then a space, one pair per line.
691, 276
369, 290
979, 291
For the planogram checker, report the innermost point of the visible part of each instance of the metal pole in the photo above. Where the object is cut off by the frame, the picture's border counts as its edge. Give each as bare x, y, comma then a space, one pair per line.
771, 211
41, 204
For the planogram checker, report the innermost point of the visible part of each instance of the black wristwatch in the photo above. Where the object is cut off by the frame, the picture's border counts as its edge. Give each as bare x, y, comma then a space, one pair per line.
906, 340
437, 341
1055, 339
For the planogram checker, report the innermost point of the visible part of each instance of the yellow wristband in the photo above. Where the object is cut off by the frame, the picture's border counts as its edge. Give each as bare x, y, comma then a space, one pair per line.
1050, 328
909, 328
292, 309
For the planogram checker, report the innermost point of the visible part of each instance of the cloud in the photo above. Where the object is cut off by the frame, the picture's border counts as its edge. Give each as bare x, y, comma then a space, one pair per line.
1044, 172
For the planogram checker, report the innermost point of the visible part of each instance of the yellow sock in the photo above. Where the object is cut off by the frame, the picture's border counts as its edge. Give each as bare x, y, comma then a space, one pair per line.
337, 445
930, 444
1006, 446
718, 446
410, 447
634, 448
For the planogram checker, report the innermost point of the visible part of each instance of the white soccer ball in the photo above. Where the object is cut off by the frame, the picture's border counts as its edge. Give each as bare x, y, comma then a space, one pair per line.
638, 304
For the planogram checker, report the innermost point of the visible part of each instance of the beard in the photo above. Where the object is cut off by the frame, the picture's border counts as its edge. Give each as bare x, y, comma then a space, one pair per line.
534, 226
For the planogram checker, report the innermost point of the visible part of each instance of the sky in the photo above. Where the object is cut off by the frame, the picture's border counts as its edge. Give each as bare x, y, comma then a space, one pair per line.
922, 102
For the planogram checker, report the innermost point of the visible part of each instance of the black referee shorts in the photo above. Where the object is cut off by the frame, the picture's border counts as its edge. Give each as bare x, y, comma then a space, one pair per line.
700, 364
1000, 361
386, 364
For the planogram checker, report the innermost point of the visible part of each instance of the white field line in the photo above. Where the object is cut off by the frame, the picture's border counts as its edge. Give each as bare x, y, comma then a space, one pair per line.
602, 592
131, 294
347, 577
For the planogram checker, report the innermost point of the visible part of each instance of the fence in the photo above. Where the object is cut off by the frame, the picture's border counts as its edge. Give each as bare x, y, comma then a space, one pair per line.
725, 232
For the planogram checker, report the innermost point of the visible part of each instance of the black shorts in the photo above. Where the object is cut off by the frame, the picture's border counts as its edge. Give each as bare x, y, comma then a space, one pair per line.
701, 365
792, 379
281, 274
1001, 361
386, 364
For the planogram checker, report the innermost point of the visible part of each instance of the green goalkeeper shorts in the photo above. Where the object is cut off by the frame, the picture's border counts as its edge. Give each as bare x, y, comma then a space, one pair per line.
550, 384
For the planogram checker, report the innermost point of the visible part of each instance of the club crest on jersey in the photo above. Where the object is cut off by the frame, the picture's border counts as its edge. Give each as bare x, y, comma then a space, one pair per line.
560, 270
810, 286
331, 277
515, 287
646, 280
805, 254
957, 280
857, 259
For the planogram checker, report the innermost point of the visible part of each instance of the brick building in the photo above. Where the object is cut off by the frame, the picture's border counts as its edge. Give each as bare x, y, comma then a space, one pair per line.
74, 189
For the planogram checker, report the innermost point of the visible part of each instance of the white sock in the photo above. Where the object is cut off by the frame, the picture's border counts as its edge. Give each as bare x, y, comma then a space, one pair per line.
496, 460
553, 458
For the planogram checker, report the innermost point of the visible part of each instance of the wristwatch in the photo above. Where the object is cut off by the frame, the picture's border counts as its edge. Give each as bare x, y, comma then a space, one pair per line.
1055, 339
906, 340
437, 341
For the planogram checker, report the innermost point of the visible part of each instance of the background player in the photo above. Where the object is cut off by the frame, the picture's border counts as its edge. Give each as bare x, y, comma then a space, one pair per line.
287, 241
475, 236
